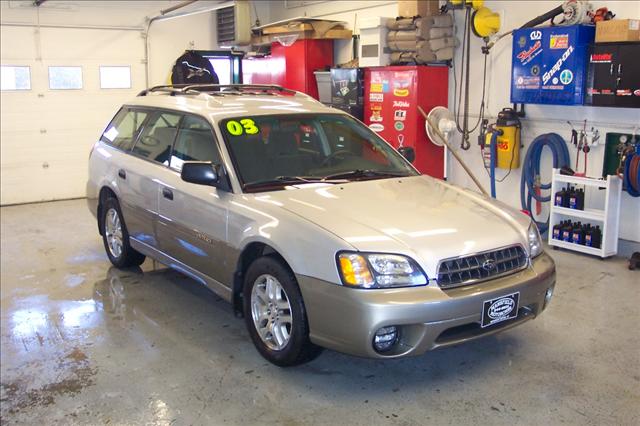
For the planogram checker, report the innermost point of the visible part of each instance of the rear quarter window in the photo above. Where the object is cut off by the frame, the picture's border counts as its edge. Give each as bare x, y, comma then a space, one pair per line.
124, 128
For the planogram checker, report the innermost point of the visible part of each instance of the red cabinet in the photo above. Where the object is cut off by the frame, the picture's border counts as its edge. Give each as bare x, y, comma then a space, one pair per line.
392, 96
292, 66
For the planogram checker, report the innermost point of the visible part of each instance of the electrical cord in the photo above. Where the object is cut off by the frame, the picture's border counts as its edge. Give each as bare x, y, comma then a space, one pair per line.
531, 171
464, 128
456, 106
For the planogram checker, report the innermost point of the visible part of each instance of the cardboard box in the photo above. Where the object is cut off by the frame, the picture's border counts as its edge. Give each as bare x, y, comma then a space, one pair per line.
618, 30
418, 8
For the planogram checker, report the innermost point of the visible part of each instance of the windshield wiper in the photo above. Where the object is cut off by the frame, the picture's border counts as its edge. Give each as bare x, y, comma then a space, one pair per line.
364, 173
282, 180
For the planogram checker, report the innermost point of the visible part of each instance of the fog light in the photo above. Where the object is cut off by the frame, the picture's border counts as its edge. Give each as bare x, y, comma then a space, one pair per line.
385, 338
547, 296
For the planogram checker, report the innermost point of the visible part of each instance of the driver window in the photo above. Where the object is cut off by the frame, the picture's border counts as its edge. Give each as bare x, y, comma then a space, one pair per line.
195, 142
157, 137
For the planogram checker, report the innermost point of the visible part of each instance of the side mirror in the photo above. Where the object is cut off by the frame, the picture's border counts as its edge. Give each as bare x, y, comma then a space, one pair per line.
408, 152
201, 173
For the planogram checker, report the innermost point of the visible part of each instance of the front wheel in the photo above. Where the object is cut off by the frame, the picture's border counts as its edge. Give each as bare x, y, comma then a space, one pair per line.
116, 238
275, 315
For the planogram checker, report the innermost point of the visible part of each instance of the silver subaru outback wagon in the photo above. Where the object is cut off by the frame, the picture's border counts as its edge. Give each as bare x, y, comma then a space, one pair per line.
312, 226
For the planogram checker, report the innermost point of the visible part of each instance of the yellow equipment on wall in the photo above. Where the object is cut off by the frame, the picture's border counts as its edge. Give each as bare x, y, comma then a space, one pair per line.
485, 22
507, 144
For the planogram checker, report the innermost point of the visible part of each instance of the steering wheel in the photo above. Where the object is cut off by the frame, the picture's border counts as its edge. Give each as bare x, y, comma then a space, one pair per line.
336, 154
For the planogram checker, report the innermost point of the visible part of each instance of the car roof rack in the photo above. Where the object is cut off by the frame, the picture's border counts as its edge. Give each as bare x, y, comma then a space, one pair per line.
217, 89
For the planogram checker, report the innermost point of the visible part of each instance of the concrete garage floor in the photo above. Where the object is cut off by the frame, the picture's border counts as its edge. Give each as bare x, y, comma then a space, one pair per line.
83, 343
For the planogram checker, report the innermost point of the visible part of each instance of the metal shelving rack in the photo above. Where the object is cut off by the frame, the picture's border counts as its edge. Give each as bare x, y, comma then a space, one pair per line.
608, 218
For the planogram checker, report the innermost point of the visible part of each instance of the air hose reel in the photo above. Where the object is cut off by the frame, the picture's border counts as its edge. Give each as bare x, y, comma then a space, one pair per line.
631, 175
530, 183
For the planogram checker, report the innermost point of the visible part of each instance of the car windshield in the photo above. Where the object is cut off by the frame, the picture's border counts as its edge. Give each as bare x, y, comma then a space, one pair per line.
273, 151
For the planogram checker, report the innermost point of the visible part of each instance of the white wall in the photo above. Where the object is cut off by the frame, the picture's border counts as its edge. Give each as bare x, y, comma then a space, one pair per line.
540, 119
46, 135
169, 39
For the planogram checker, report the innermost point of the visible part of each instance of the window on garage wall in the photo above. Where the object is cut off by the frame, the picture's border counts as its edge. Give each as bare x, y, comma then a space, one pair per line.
65, 78
115, 77
15, 77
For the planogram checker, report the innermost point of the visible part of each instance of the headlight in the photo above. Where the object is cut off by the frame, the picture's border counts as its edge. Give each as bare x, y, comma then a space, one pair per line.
374, 270
535, 242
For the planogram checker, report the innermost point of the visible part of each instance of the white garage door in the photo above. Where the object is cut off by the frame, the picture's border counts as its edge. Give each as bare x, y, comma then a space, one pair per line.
46, 134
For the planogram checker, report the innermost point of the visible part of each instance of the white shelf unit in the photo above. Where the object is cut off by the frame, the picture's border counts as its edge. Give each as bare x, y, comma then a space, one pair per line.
608, 218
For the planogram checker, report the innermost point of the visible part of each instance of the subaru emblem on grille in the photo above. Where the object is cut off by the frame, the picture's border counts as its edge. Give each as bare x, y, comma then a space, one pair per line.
489, 265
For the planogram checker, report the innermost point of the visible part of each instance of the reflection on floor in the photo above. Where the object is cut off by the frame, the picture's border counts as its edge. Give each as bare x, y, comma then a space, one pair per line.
84, 343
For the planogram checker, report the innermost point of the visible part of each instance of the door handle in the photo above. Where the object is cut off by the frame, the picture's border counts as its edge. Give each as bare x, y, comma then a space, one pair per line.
167, 193
122, 174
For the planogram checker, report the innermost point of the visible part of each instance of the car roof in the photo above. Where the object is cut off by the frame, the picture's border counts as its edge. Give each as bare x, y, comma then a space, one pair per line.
247, 100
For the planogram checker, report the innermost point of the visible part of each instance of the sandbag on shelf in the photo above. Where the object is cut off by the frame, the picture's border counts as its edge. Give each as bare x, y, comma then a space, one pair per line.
423, 56
418, 34
424, 24
442, 43
413, 45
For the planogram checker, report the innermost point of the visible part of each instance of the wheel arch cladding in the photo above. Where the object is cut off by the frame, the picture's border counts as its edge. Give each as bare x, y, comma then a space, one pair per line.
105, 193
249, 254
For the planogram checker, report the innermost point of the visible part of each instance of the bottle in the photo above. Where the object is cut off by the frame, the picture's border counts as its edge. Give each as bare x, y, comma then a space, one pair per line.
588, 236
573, 199
566, 231
577, 234
557, 229
559, 198
565, 199
580, 199
597, 237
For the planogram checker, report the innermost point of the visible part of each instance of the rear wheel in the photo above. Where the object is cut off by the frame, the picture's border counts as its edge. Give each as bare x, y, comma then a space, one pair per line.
116, 238
275, 315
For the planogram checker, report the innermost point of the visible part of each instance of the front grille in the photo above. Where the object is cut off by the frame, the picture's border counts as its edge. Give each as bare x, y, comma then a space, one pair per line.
470, 269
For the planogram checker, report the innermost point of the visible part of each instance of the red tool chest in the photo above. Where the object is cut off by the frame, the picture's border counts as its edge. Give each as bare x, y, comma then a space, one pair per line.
392, 96
291, 66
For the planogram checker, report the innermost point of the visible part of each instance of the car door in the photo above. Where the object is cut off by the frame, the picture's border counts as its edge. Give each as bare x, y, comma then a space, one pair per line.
139, 175
192, 225
121, 134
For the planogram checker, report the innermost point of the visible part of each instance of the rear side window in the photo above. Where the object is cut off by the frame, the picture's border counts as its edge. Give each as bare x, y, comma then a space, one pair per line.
195, 143
157, 137
124, 128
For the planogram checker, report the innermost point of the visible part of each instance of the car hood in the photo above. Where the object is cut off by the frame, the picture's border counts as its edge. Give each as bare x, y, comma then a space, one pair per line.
419, 216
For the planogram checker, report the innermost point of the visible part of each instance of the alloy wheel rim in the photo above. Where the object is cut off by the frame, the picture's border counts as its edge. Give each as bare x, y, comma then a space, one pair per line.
113, 232
271, 312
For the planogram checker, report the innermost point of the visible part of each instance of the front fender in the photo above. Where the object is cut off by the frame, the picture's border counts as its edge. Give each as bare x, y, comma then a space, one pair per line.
307, 248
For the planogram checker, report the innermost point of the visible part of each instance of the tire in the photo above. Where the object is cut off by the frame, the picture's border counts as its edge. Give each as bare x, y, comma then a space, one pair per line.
114, 228
287, 342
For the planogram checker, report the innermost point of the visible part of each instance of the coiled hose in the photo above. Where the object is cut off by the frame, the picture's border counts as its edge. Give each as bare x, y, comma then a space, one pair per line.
631, 177
531, 171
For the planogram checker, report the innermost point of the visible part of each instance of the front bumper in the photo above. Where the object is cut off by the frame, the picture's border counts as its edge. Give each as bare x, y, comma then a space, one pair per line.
346, 319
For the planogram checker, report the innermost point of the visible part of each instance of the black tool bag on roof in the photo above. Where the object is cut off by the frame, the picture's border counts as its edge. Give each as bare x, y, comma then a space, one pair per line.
192, 68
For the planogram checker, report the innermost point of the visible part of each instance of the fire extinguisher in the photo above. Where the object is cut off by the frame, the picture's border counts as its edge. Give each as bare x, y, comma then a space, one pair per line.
500, 144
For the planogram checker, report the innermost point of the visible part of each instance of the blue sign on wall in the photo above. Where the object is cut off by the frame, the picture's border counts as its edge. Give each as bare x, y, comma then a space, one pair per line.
549, 65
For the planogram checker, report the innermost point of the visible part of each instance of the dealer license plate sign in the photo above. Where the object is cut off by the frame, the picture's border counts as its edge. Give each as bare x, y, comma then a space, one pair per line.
500, 309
